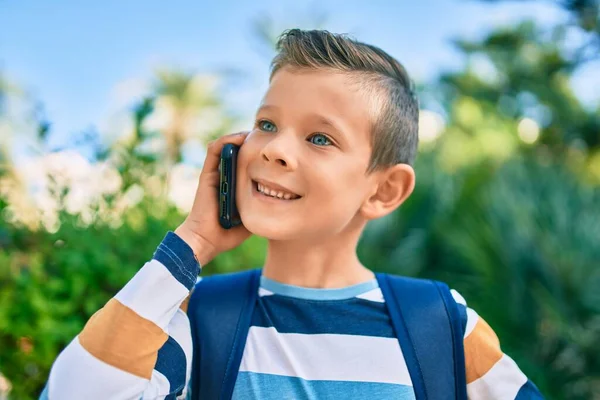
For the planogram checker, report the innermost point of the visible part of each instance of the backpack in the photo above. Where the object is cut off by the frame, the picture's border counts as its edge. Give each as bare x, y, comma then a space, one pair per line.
427, 321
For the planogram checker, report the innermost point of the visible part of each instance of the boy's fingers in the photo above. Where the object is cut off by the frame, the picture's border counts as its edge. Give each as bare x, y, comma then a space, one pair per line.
213, 151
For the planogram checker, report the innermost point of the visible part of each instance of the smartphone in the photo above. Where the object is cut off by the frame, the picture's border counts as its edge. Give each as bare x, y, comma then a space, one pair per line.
228, 212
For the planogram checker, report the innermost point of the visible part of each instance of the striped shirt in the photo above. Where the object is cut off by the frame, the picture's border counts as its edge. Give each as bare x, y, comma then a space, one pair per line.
303, 343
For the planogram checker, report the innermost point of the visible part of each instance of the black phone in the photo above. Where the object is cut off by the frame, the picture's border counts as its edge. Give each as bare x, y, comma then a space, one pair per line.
228, 212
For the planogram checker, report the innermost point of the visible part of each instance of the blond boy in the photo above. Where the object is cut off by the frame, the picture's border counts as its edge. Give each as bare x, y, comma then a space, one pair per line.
331, 149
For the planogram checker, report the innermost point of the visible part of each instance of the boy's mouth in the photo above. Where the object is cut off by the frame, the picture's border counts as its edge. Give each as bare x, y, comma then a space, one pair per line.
272, 190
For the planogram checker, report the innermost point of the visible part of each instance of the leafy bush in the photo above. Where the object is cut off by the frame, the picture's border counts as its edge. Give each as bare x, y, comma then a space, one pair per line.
520, 242
53, 282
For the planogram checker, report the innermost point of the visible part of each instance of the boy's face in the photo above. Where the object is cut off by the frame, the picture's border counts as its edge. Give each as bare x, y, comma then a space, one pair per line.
321, 166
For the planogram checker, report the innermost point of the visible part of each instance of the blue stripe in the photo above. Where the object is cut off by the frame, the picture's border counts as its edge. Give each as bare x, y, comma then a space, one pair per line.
301, 292
529, 392
177, 256
290, 315
171, 362
252, 385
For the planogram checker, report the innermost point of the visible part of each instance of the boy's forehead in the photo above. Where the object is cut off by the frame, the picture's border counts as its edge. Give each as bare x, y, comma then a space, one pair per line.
326, 96
329, 85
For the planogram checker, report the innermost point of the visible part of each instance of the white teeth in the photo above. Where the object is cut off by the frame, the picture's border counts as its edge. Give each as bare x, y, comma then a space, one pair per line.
273, 193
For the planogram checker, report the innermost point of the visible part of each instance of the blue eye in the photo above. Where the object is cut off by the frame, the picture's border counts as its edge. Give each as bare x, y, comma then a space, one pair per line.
321, 140
266, 125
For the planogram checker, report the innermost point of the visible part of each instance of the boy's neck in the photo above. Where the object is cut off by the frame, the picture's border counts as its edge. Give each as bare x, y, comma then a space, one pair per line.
328, 264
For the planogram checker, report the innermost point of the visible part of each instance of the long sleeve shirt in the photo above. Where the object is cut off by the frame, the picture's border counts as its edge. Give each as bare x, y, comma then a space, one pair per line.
303, 343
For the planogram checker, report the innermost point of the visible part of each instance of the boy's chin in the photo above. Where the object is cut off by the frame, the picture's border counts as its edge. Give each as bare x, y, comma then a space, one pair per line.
267, 229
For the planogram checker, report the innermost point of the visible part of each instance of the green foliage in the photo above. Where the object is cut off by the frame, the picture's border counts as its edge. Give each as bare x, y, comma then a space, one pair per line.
514, 73
53, 282
512, 225
520, 242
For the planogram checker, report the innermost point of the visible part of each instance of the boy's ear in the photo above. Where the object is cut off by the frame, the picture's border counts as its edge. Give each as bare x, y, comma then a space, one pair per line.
392, 187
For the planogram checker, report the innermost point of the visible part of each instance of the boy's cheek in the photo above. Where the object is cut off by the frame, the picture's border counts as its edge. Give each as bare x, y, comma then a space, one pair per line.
243, 155
252, 136
249, 147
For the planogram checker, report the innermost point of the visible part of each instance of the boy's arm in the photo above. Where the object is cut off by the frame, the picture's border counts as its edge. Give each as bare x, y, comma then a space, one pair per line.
491, 374
139, 344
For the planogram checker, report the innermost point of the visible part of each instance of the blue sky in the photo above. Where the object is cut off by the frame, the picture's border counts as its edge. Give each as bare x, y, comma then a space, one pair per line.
74, 55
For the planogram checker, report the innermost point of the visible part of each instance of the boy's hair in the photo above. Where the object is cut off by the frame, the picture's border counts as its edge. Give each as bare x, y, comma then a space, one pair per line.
394, 135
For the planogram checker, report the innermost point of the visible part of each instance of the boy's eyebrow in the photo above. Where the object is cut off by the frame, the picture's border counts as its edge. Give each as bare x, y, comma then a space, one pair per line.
326, 121
266, 107
323, 120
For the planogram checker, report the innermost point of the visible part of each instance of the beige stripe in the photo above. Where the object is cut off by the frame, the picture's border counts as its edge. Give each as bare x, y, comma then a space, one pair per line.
482, 351
118, 336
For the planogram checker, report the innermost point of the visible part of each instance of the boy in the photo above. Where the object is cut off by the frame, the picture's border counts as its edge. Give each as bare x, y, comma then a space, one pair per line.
331, 149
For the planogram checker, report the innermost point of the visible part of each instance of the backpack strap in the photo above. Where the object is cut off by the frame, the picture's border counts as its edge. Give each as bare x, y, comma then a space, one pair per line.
220, 312
428, 325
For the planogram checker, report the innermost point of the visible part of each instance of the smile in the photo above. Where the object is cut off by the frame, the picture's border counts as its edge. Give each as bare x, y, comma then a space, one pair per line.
275, 193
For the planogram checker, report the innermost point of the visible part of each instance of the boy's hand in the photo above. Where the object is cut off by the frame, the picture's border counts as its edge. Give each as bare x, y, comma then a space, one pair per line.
201, 229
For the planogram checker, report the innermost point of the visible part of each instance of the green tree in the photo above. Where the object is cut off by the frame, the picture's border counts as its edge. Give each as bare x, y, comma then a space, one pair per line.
52, 282
510, 220
187, 102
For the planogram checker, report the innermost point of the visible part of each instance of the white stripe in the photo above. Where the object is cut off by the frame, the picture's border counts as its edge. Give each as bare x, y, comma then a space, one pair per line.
183, 395
458, 297
76, 374
373, 295
325, 356
472, 318
502, 382
180, 330
264, 292
153, 293
159, 387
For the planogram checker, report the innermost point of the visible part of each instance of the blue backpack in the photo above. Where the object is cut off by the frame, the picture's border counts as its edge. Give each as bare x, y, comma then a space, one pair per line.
426, 319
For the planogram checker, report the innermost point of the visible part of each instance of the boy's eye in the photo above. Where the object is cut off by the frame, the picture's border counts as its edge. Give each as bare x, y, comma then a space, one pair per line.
320, 140
265, 125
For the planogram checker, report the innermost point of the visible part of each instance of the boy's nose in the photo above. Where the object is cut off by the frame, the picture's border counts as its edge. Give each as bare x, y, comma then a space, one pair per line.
279, 161
280, 151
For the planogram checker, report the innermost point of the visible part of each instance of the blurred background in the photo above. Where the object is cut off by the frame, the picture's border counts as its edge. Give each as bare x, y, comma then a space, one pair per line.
106, 108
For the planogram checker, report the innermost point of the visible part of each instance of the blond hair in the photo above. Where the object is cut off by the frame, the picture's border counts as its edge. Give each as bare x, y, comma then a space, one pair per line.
394, 136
